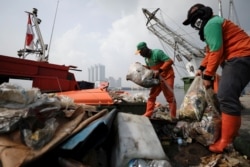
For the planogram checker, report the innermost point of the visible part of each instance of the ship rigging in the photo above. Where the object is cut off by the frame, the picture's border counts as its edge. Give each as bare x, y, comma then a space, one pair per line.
187, 54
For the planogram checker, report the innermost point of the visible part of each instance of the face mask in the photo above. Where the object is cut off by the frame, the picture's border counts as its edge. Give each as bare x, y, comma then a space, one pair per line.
145, 52
197, 24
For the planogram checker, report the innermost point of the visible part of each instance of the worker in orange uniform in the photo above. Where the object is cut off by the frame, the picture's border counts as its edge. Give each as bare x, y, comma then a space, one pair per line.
161, 64
229, 46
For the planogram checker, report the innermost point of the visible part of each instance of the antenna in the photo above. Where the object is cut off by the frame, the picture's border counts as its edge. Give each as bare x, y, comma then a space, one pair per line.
52, 30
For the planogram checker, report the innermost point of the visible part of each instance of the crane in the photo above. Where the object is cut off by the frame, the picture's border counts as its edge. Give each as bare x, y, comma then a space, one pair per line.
181, 46
40, 47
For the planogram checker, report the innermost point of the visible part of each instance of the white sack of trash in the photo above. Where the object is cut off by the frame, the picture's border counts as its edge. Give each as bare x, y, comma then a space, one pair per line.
141, 75
200, 114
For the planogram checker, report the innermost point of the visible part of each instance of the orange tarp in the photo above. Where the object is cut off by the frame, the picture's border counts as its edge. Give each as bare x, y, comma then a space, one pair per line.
89, 96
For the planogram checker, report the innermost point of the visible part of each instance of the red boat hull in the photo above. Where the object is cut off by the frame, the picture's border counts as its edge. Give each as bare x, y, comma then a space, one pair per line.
45, 76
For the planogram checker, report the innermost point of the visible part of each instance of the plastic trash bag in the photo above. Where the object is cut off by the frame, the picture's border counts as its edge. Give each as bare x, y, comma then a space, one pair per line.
194, 102
207, 130
45, 107
10, 118
141, 76
16, 97
39, 137
210, 125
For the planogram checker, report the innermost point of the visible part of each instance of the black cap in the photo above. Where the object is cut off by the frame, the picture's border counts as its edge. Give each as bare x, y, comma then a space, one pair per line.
191, 11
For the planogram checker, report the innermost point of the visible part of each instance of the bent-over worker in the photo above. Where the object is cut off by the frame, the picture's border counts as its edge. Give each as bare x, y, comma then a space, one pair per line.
161, 64
229, 46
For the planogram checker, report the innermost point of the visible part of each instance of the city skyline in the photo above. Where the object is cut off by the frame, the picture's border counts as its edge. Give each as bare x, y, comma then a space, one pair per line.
97, 74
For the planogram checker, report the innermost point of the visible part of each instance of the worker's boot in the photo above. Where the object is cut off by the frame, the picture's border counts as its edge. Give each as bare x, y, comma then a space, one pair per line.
229, 129
149, 109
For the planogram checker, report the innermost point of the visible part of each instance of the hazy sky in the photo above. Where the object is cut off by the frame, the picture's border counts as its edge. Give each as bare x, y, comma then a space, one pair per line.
89, 32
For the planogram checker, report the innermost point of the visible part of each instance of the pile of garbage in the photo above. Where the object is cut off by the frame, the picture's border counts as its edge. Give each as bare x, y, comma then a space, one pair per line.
32, 123
198, 121
124, 97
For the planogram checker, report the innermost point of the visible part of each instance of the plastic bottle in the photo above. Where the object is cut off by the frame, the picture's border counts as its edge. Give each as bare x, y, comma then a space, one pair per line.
179, 141
137, 163
159, 163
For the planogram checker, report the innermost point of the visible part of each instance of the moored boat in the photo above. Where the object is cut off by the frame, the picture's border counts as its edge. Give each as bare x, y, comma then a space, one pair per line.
44, 75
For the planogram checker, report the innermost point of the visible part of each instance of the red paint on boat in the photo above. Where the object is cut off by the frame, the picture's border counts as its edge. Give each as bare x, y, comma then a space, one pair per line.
46, 76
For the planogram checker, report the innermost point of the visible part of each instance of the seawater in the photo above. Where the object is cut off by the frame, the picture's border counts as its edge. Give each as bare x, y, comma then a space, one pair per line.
179, 95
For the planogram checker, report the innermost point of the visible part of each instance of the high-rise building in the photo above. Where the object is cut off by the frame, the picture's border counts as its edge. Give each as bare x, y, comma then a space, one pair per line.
96, 73
115, 83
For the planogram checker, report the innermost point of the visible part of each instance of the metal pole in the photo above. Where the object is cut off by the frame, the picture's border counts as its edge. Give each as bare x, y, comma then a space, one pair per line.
220, 9
52, 29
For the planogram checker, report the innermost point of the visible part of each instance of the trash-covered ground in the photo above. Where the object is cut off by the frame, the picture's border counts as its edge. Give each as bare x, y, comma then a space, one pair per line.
192, 149
187, 153
46, 130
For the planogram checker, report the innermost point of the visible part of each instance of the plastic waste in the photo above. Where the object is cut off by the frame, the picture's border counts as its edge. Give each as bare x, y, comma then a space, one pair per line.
181, 142
10, 118
159, 163
40, 137
13, 96
137, 163
148, 163
194, 102
45, 107
141, 75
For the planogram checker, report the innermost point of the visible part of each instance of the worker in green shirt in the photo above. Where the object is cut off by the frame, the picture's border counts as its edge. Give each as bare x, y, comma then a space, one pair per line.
161, 64
228, 46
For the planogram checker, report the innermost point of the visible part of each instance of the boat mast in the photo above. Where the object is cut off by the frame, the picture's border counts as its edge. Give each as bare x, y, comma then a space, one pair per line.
37, 21
39, 50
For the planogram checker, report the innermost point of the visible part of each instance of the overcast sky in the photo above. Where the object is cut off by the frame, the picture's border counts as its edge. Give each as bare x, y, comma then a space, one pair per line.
89, 32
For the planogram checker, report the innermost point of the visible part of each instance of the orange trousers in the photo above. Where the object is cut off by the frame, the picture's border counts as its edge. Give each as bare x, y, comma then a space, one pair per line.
167, 87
